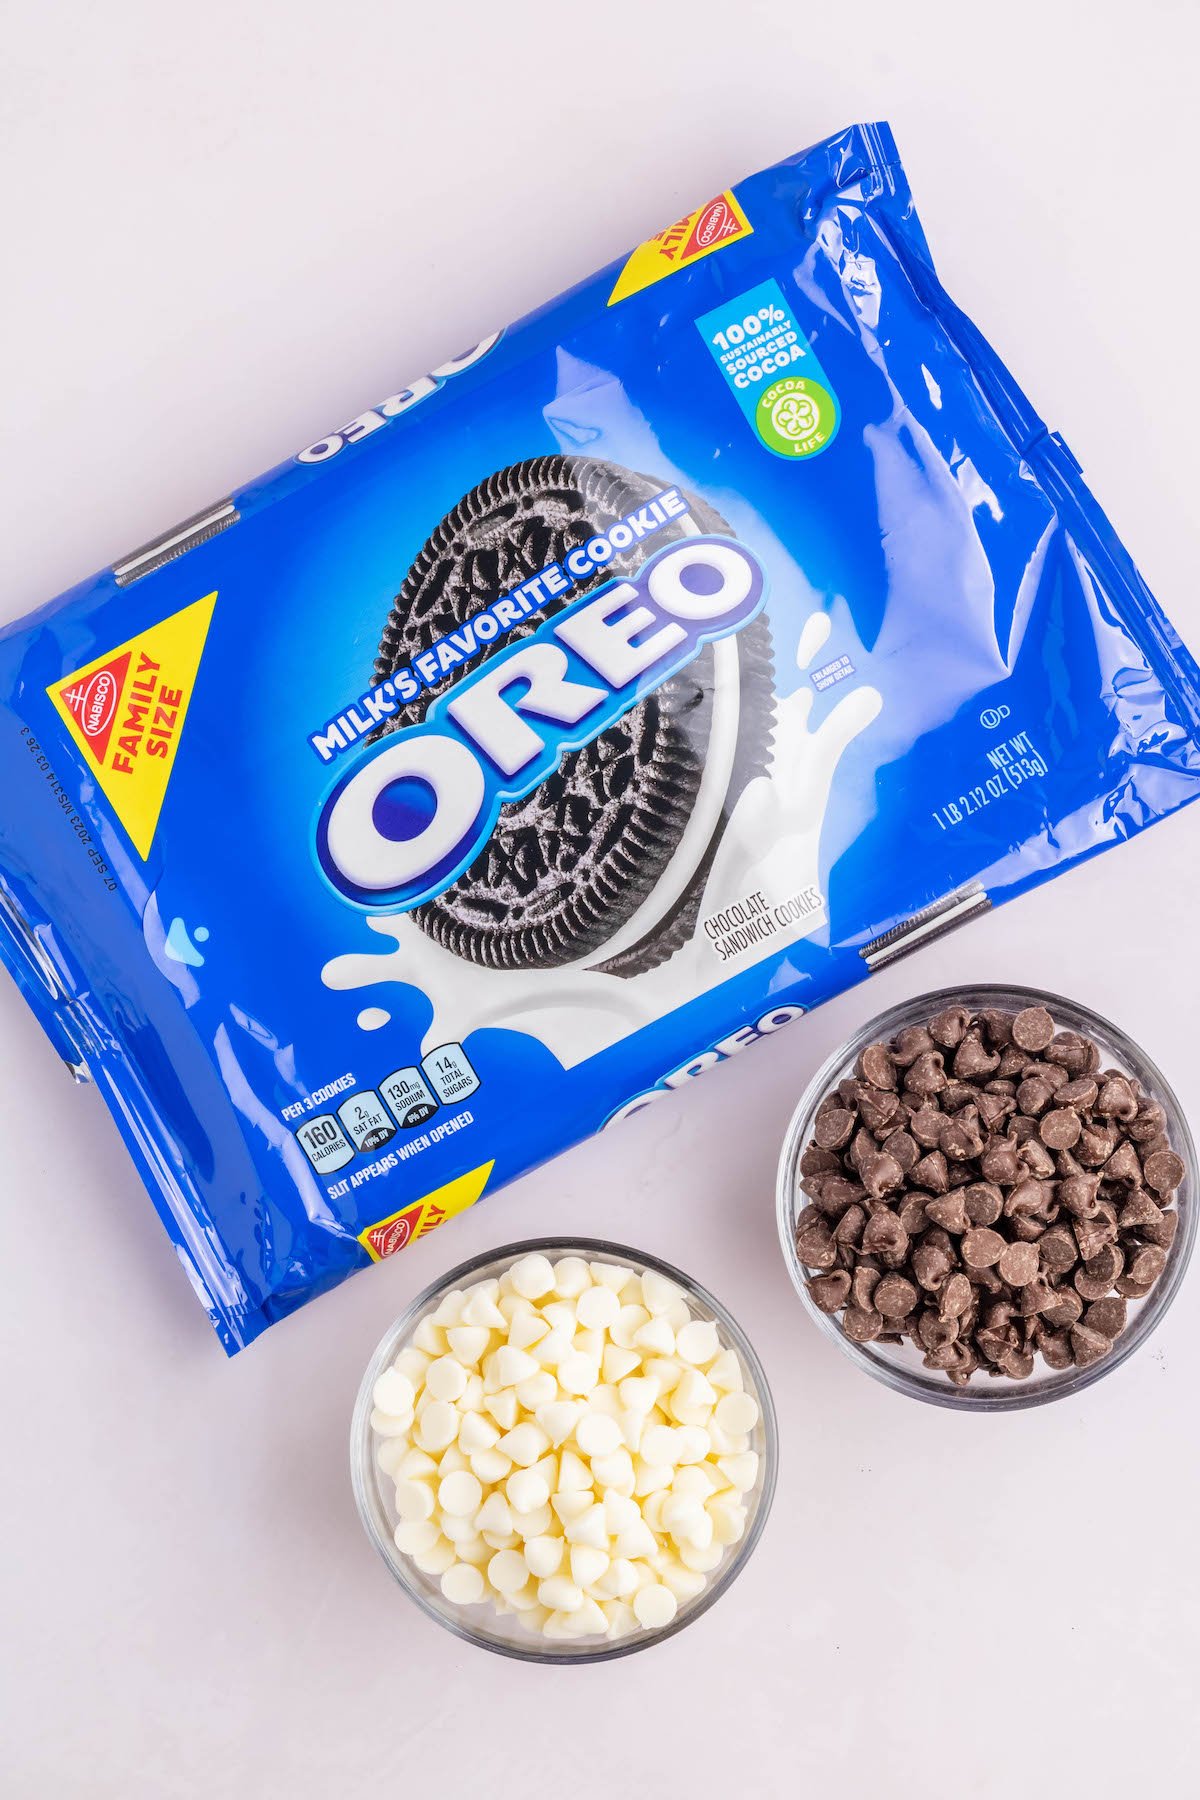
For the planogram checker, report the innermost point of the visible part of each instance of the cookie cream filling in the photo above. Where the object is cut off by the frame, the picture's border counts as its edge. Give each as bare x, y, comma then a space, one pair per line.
706, 816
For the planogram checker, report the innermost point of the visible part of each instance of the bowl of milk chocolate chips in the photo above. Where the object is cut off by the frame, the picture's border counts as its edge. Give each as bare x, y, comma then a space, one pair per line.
987, 1197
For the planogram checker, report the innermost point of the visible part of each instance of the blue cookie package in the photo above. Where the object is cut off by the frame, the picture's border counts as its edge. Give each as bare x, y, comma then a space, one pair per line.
571, 720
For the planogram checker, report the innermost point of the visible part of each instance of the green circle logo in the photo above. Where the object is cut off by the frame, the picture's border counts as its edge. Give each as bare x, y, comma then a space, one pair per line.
796, 416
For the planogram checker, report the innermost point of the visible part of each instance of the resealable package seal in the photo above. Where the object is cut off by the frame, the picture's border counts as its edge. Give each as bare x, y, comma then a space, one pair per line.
575, 718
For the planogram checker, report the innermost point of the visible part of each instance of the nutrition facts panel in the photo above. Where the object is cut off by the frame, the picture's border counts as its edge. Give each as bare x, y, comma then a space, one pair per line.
369, 1118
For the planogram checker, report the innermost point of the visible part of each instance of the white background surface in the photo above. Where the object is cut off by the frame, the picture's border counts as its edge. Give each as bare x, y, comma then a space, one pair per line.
226, 230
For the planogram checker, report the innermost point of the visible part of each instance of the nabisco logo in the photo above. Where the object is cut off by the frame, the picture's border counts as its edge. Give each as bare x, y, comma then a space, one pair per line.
98, 704
93, 702
387, 1239
714, 222
711, 224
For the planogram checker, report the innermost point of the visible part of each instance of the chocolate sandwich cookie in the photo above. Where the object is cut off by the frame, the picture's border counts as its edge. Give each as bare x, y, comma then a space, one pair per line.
574, 869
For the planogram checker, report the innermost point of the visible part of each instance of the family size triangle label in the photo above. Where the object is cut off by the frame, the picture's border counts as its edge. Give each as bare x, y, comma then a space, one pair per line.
420, 1217
125, 713
698, 234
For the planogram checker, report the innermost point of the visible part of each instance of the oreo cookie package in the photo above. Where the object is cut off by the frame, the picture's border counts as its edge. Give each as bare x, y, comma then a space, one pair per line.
572, 720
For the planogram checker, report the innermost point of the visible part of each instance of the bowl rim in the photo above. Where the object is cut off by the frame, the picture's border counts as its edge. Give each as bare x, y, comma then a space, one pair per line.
1011, 1396
363, 1467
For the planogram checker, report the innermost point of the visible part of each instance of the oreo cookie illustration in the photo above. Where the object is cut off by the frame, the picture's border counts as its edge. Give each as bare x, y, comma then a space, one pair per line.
605, 862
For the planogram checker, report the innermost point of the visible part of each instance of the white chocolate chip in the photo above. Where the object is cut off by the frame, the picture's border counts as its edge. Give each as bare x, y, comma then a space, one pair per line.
638, 1393
459, 1528
494, 1515
389, 1425
544, 1555
569, 1446
558, 1419
437, 1426
538, 1390
445, 1379
413, 1363
560, 1593
728, 1518
526, 1490
534, 1523
691, 1443
430, 1338
417, 1463
526, 1330
508, 1571
437, 1559
658, 1445
588, 1563
630, 1319
587, 1528
416, 1536
577, 1374
693, 1398
503, 1408
462, 1584
460, 1493
525, 1443
394, 1393
490, 1465
414, 1501
532, 1277
560, 1315
597, 1435
481, 1309
654, 1338
477, 1433
571, 1505
616, 1363
391, 1454
703, 1561
611, 1275
450, 1307
619, 1579
598, 1310
726, 1372
571, 1276
573, 1473
737, 1413
468, 1343
614, 1473
698, 1342
655, 1606
742, 1470
508, 1365
683, 1582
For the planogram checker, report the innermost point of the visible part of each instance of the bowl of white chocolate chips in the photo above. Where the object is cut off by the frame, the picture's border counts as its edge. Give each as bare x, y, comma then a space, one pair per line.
564, 1451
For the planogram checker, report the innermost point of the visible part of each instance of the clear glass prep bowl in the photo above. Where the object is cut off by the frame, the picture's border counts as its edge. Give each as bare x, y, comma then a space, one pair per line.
478, 1623
900, 1365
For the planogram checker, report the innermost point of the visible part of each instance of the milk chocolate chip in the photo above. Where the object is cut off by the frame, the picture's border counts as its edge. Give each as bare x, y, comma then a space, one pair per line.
984, 1189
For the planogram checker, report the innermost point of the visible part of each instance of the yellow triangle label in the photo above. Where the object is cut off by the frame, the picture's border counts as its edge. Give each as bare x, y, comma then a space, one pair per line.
420, 1217
698, 234
125, 713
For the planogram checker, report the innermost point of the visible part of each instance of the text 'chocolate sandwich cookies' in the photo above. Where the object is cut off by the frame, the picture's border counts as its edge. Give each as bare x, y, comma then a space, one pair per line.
567, 722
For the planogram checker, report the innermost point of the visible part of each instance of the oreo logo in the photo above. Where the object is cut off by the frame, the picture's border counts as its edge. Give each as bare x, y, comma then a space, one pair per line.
418, 807
396, 404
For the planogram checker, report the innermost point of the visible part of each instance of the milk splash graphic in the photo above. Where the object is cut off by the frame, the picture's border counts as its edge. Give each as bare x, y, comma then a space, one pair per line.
771, 843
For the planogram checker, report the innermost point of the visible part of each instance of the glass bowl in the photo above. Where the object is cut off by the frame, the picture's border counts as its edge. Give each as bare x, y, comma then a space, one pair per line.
900, 1366
479, 1623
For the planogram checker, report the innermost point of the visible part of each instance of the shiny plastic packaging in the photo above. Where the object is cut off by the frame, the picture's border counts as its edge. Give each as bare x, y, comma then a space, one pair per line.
568, 722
